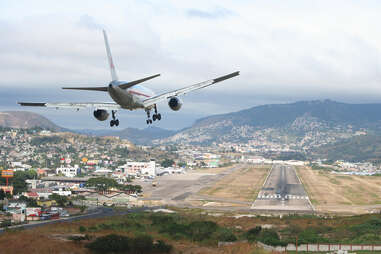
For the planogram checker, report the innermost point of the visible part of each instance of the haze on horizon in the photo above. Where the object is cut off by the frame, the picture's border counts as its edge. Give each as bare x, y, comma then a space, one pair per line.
286, 51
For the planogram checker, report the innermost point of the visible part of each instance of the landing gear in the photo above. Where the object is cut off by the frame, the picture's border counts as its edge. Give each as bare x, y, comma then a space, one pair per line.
114, 121
155, 116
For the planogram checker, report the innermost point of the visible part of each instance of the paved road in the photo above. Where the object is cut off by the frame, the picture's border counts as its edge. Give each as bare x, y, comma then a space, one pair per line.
282, 190
98, 212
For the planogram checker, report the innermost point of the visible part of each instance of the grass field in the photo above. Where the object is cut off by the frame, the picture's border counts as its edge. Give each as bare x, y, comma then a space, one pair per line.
341, 193
243, 184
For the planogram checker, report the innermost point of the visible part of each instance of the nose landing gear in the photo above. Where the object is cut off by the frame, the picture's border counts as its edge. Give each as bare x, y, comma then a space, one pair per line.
114, 121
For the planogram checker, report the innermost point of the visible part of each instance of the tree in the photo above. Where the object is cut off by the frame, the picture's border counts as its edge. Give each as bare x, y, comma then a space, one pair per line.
61, 200
131, 188
102, 184
18, 180
30, 202
167, 163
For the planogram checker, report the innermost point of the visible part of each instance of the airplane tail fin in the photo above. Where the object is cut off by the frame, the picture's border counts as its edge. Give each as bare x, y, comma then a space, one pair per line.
109, 56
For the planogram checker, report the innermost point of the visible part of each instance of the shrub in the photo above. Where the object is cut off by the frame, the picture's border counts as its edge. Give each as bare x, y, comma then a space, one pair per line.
226, 235
121, 244
162, 247
110, 244
82, 229
270, 237
142, 244
253, 233
202, 230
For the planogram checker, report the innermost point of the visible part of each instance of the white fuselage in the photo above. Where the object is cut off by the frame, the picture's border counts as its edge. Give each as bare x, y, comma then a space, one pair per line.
131, 98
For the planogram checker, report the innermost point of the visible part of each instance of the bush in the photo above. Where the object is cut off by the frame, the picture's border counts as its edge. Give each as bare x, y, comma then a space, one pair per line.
110, 244
253, 233
121, 244
202, 230
226, 235
142, 244
162, 247
270, 237
82, 229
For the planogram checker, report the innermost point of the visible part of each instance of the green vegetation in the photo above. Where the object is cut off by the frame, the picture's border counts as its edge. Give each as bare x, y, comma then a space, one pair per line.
142, 244
358, 148
18, 180
167, 163
102, 184
61, 200
37, 141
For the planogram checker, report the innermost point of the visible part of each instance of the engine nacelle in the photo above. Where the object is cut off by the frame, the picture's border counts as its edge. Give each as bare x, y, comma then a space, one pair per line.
175, 103
101, 114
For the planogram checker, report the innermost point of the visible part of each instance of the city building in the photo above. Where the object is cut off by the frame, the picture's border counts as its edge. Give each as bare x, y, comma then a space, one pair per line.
68, 171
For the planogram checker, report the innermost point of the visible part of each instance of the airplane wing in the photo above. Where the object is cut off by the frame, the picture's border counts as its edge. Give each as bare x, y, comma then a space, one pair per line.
97, 105
153, 100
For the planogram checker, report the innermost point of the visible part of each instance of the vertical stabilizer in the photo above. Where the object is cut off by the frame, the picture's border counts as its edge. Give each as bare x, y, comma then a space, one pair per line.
109, 56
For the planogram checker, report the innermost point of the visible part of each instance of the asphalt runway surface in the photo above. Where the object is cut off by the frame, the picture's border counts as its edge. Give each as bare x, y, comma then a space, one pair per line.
282, 191
178, 189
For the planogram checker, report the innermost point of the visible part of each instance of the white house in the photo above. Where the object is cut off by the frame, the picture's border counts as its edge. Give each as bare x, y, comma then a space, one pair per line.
68, 171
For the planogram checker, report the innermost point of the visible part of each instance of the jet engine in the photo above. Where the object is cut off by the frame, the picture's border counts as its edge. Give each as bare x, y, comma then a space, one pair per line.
101, 114
175, 103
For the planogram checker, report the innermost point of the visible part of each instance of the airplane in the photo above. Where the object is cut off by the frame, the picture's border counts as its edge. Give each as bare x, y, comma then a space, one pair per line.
129, 95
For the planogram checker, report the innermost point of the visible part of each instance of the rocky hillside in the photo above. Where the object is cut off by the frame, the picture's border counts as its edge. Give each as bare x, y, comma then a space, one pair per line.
300, 125
26, 120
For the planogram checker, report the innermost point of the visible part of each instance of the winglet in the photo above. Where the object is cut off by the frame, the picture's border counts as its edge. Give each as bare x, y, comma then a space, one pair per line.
231, 75
109, 56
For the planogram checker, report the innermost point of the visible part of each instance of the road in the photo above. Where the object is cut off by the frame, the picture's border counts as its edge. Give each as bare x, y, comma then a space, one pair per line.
281, 191
98, 212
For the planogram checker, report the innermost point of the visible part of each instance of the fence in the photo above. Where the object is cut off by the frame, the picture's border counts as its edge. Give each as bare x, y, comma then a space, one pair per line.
320, 247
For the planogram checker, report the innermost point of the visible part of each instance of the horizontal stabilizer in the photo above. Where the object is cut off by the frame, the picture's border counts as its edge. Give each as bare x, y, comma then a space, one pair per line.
32, 104
102, 88
132, 83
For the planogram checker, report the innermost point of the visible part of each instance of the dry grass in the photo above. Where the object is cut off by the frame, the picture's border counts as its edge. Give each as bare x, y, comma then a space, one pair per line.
341, 193
243, 184
42, 240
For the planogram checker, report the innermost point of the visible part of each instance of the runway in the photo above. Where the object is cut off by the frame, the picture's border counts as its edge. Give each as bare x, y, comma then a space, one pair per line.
282, 191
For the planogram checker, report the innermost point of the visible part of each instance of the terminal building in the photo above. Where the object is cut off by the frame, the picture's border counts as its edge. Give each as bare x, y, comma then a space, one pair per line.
139, 168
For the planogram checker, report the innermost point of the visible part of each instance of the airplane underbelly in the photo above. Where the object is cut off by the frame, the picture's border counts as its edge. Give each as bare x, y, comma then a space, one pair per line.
125, 99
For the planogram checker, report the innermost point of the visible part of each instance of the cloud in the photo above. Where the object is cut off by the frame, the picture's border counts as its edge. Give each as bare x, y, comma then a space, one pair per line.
89, 22
286, 51
214, 14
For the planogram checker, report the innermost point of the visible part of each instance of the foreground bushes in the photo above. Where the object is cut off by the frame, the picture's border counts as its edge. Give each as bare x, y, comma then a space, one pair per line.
122, 244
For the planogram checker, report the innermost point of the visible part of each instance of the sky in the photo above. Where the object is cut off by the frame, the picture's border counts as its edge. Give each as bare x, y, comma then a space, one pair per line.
286, 50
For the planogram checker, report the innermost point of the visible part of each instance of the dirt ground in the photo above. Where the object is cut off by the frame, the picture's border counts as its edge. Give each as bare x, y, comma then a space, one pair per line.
242, 185
341, 193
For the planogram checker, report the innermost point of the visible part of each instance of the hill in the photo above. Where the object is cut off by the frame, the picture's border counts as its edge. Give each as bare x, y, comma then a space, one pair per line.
137, 136
300, 127
26, 120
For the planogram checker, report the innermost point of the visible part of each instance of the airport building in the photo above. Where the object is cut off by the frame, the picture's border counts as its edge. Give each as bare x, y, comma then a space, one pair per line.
139, 168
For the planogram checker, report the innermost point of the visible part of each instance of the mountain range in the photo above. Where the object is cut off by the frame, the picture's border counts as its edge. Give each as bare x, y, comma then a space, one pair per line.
308, 127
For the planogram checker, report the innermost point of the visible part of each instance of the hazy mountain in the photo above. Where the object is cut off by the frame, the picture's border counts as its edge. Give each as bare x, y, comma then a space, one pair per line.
26, 120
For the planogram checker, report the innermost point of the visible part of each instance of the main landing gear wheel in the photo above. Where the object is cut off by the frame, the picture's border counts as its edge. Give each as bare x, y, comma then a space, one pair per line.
114, 121
155, 116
